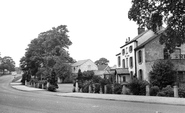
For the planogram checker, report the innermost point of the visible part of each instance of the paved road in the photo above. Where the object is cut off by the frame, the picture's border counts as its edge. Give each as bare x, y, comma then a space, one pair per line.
15, 101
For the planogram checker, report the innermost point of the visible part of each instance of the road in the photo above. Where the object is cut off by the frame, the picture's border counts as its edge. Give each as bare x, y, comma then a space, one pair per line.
15, 101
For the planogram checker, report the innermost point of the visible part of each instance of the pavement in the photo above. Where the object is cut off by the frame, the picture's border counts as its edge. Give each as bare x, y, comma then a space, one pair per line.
113, 97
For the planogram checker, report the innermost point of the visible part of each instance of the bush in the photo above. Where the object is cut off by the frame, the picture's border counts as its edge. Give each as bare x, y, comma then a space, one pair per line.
117, 88
137, 87
154, 90
167, 92
52, 88
181, 92
109, 88
97, 88
85, 87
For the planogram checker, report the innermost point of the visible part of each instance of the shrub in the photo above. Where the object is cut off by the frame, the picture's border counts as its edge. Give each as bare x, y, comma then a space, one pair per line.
52, 88
85, 87
109, 88
97, 88
117, 88
137, 87
167, 92
162, 74
154, 90
181, 91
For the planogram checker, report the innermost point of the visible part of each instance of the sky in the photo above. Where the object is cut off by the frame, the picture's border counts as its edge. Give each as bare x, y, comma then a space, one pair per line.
97, 28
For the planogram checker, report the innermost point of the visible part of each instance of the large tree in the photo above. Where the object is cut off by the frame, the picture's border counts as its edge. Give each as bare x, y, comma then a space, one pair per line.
7, 63
48, 54
163, 73
154, 13
102, 61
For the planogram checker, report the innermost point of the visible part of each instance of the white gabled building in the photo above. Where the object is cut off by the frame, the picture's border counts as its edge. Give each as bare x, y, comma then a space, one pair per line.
139, 54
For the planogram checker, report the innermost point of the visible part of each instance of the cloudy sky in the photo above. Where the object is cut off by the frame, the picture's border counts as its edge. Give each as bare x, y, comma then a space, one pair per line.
97, 28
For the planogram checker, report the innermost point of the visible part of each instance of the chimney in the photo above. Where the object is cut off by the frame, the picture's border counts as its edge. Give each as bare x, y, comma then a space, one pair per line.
140, 30
128, 39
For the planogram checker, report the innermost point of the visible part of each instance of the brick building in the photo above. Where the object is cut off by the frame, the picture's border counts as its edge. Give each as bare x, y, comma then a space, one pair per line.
139, 54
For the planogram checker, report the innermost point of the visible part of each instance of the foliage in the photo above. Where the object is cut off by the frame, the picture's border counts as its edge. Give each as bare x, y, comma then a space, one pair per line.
181, 91
162, 74
48, 53
96, 79
52, 88
109, 89
117, 88
7, 63
167, 92
97, 87
102, 61
137, 87
154, 90
153, 13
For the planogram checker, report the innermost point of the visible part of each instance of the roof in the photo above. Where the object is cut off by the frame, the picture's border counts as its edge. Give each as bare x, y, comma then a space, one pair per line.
112, 72
133, 40
102, 67
122, 71
150, 39
118, 54
99, 72
79, 63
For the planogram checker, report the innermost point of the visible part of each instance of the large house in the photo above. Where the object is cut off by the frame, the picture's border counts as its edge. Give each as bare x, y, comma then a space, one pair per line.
139, 54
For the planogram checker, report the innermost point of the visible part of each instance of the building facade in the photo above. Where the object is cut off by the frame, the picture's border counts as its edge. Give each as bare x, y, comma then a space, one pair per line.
139, 54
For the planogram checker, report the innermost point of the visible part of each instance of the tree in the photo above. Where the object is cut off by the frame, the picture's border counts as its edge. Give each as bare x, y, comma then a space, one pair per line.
102, 61
154, 13
47, 55
7, 63
162, 74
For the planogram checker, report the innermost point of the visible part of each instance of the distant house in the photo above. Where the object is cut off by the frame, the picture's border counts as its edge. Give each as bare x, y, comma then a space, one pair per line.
83, 65
102, 70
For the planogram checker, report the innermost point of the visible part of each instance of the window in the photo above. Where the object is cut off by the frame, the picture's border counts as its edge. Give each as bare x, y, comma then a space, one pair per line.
131, 62
123, 51
126, 50
123, 63
124, 79
140, 56
131, 75
119, 61
166, 54
130, 49
127, 63
140, 74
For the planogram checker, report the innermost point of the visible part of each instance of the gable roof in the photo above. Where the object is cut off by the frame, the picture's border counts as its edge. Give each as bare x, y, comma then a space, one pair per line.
79, 63
150, 39
134, 40
102, 67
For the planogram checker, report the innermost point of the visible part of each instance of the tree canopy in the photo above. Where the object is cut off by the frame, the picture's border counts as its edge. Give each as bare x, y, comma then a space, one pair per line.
102, 61
154, 13
48, 54
7, 63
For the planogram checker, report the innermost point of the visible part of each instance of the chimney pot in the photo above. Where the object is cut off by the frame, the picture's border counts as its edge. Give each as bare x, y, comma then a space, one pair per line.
141, 30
